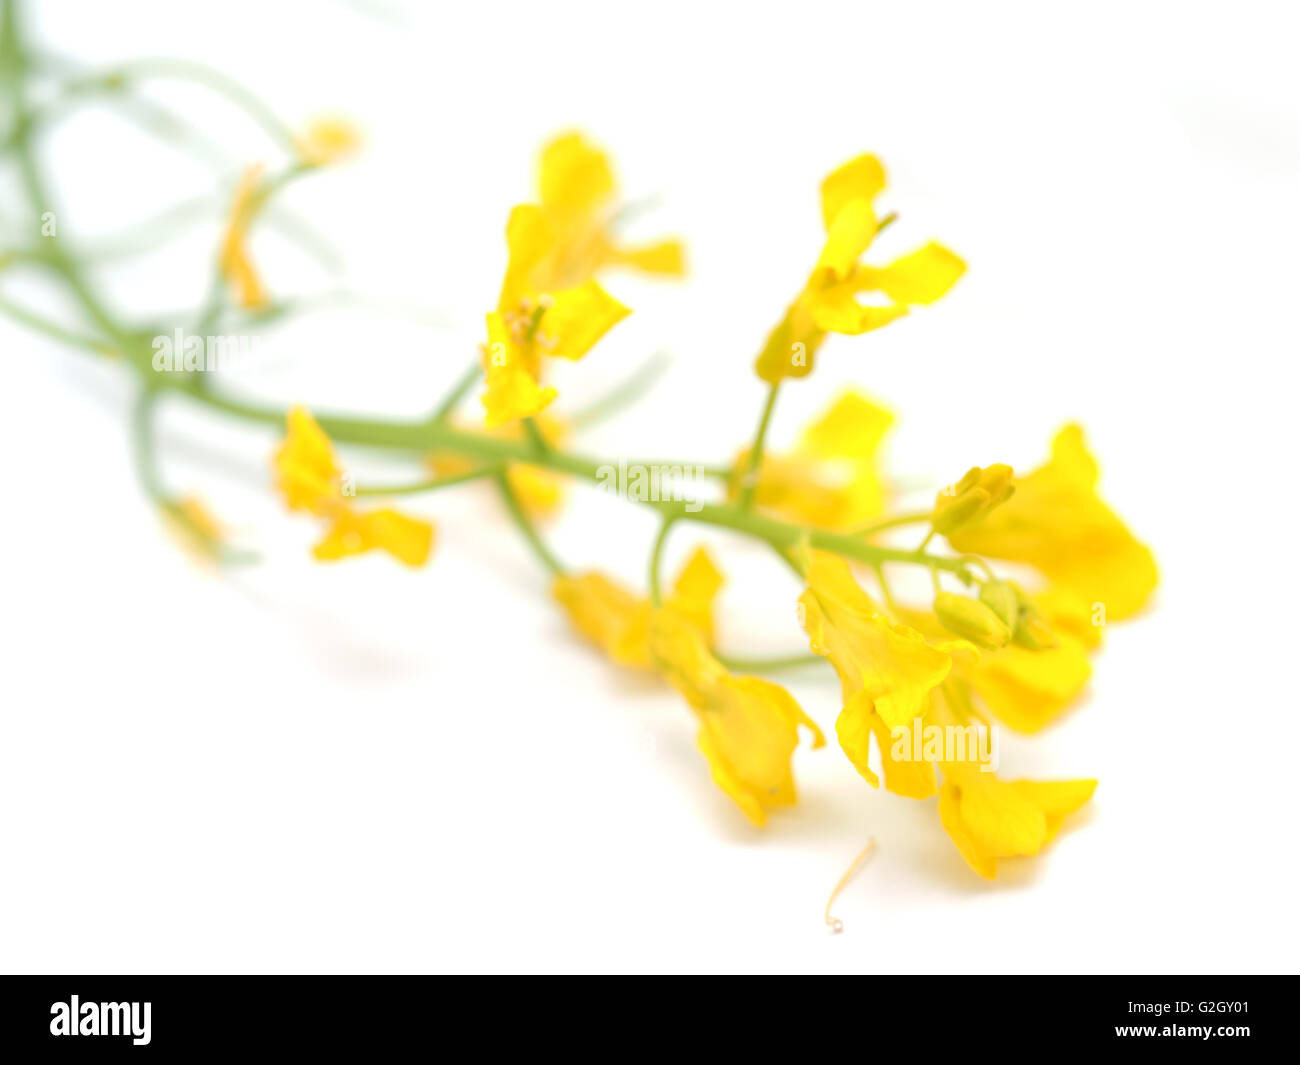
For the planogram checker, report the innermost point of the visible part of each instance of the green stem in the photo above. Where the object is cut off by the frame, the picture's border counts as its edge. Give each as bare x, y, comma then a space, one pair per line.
749, 481
893, 523
622, 395
458, 392
526, 527
656, 560
432, 484
741, 664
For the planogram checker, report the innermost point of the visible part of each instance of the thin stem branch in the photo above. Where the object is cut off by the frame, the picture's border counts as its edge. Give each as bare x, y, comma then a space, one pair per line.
749, 480
525, 525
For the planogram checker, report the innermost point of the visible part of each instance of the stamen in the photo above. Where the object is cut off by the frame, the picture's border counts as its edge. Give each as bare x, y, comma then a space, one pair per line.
834, 923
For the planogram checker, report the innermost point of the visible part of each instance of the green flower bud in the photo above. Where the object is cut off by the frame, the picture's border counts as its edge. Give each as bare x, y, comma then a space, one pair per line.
971, 620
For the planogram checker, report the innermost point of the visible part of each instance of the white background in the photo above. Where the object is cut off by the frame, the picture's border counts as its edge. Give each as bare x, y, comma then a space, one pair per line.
303, 768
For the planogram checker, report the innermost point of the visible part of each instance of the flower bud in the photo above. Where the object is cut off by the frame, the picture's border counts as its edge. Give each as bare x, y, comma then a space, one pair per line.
971, 620
978, 492
1004, 599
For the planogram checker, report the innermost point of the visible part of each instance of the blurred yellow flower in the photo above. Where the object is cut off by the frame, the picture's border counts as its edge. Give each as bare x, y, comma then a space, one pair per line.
831, 480
233, 260
196, 526
617, 620
328, 140
579, 201
1056, 523
988, 818
309, 478
749, 727
887, 670
828, 302
550, 302
529, 324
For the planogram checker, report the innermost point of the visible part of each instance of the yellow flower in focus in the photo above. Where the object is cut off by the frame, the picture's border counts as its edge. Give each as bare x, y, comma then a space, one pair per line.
829, 300
1028, 689
233, 261
1056, 523
988, 818
831, 480
309, 477
1024, 689
328, 140
749, 727
888, 671
617, 620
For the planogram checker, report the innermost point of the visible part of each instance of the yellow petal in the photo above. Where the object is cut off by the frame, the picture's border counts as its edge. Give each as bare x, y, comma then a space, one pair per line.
611, 616
835, 310
848, 236
575, 177
893, 664
1056, 798
851, 428
576, 318
667, 258
407, 539
790, 347
510, 373
977, 857
922, 277
1001, 819
306, 471
749, 727
1027, 690
1056, 523
862, 178
696, 589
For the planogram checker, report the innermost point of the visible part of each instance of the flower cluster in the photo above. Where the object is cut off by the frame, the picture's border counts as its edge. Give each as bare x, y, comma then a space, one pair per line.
1003, 654
1012, 647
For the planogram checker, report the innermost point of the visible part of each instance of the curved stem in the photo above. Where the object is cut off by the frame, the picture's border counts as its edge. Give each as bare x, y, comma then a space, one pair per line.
525, 526
893, 523
656, 556
432, 484
743, 664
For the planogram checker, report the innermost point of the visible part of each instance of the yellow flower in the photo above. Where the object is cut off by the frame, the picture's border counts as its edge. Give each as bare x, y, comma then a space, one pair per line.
550, 303
749, 727
831, 480
235, 265
539, 491
988, 818
617, 620
529, 324
828, 302
888, 671
1056, 523
310, 478
1023, 688
1028, 689
328, 140
199, 530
